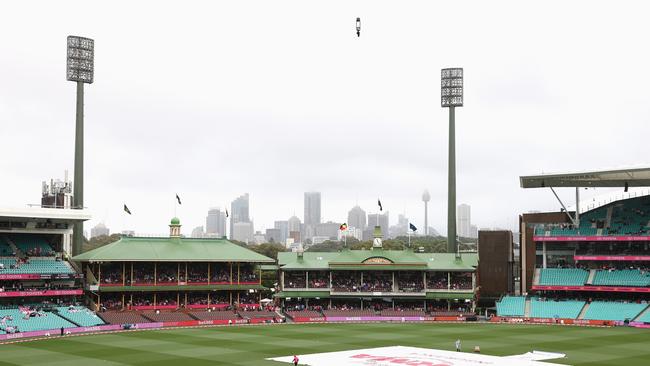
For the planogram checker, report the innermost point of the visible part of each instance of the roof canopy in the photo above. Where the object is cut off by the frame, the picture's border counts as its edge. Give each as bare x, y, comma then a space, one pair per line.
42, 214
376, 259
135, 249
636, 177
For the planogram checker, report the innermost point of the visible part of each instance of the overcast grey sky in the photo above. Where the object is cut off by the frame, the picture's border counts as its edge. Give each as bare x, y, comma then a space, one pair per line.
213, 99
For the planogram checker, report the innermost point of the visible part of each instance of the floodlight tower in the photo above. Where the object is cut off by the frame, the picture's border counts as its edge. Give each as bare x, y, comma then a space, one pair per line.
426, 197
80, 69
451, 96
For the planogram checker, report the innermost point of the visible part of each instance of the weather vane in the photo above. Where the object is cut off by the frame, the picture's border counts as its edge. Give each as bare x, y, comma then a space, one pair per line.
358, 27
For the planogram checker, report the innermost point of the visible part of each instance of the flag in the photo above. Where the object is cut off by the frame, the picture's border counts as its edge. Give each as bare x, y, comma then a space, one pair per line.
380, 207
126, 209
412, 227
227, 213
178, 199
343, 227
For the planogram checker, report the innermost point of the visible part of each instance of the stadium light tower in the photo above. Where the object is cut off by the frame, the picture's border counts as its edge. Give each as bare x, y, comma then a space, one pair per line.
451, 96
80, 69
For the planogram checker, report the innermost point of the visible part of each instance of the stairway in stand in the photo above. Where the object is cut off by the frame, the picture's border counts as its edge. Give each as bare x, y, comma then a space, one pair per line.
642, 314
583, 311
590, 279
536, 276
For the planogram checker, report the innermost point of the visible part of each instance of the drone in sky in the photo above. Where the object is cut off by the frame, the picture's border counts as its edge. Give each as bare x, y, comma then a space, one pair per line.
358, 27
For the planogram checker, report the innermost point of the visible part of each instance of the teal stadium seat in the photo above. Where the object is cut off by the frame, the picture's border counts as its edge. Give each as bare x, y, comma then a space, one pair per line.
563, 277
5, 249
604, 310
30, 242
569, 309
511, 306
80, 315
36, 266
625, 277
629, 217
46, 322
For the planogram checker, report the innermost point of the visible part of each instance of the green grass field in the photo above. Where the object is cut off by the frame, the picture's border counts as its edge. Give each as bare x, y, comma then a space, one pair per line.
250, 345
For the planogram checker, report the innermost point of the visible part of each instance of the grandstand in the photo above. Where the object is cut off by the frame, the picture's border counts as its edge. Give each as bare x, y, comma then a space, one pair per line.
39, 289
564, 309
371, 282
563, 277
608, 310
163, 279
511, 306
625, 277
79, 315
591, 266
25, 323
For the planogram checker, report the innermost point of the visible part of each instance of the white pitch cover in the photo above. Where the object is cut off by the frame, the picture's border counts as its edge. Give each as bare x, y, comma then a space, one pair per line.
413, 356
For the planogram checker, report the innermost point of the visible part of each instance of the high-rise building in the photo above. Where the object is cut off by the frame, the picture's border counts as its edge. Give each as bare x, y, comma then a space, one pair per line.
312, 213
239, 212
259, 238
464, 220
274, 236
473, 230
374, 220
283, 226
402, 227
357, 218
294, 236
329, 229
243, 231
426, 197
215, 223
294, 224
99, 230
198, 232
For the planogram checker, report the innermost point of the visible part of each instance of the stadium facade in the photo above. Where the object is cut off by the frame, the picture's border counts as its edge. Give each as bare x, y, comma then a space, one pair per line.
172, 273
591, 266
378, 281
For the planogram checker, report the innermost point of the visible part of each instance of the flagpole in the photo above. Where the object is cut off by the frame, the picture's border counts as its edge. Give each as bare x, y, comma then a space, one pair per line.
409, 235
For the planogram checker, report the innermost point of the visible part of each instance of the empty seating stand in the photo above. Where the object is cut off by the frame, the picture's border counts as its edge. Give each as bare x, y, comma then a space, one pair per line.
563, 276
5, 249
30, 243
511, 306
36, 266
80, 316
602, 310
44, 321
569, 309
625, 277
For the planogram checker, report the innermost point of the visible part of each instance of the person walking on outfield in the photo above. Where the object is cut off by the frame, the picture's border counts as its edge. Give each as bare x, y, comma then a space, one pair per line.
458, 345
295, 360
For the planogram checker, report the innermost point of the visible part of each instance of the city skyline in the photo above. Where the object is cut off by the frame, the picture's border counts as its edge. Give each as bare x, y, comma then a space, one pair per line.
362, 127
